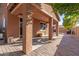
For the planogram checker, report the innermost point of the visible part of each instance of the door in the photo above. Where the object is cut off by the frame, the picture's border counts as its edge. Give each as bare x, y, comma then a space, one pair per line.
21, 27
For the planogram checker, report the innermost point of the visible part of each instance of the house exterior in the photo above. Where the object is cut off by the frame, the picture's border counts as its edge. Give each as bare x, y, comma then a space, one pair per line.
26, 21
62, 30
76, 31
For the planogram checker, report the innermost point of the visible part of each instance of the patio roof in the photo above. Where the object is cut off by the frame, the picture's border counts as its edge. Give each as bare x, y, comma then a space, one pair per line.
45, 12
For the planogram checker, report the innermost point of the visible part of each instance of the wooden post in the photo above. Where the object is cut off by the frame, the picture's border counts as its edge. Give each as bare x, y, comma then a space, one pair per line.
57, 29
27, 30
50, 29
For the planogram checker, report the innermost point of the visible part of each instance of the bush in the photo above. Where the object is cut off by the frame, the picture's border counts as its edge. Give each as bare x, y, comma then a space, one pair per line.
38, 34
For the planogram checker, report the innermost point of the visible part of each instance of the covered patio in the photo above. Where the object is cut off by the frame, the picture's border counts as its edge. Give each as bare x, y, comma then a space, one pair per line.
28, 17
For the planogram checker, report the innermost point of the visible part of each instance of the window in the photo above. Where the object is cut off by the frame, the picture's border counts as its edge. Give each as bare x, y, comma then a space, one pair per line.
43, 26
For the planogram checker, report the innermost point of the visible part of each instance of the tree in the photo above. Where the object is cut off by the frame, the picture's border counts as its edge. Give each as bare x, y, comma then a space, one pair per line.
70, 21
71, 12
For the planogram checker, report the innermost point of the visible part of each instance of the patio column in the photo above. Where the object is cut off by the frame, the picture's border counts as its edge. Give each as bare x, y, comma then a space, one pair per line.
50, 29
4, 17
57, 29
27, 30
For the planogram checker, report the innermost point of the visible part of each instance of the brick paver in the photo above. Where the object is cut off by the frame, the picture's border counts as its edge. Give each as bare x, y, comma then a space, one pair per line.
66, 45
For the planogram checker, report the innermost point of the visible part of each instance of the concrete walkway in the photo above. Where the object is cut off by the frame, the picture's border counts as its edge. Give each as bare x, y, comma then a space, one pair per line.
65, 45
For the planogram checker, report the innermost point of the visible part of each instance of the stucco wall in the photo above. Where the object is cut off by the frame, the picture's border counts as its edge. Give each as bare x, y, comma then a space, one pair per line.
36, 27
13, 26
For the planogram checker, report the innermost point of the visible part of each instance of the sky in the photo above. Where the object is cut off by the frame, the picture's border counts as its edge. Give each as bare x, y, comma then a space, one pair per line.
77, 24
61, 19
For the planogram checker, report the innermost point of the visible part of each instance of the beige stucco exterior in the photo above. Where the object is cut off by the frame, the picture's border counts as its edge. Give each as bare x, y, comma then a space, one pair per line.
13, 26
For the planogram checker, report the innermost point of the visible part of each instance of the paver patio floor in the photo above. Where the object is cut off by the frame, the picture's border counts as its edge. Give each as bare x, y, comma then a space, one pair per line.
66, 45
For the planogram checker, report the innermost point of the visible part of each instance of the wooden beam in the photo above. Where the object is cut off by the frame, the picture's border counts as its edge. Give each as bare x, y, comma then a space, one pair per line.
16, 8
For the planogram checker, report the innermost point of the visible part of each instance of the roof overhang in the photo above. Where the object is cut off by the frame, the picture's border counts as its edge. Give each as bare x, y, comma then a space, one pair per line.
49, 15
42, 10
